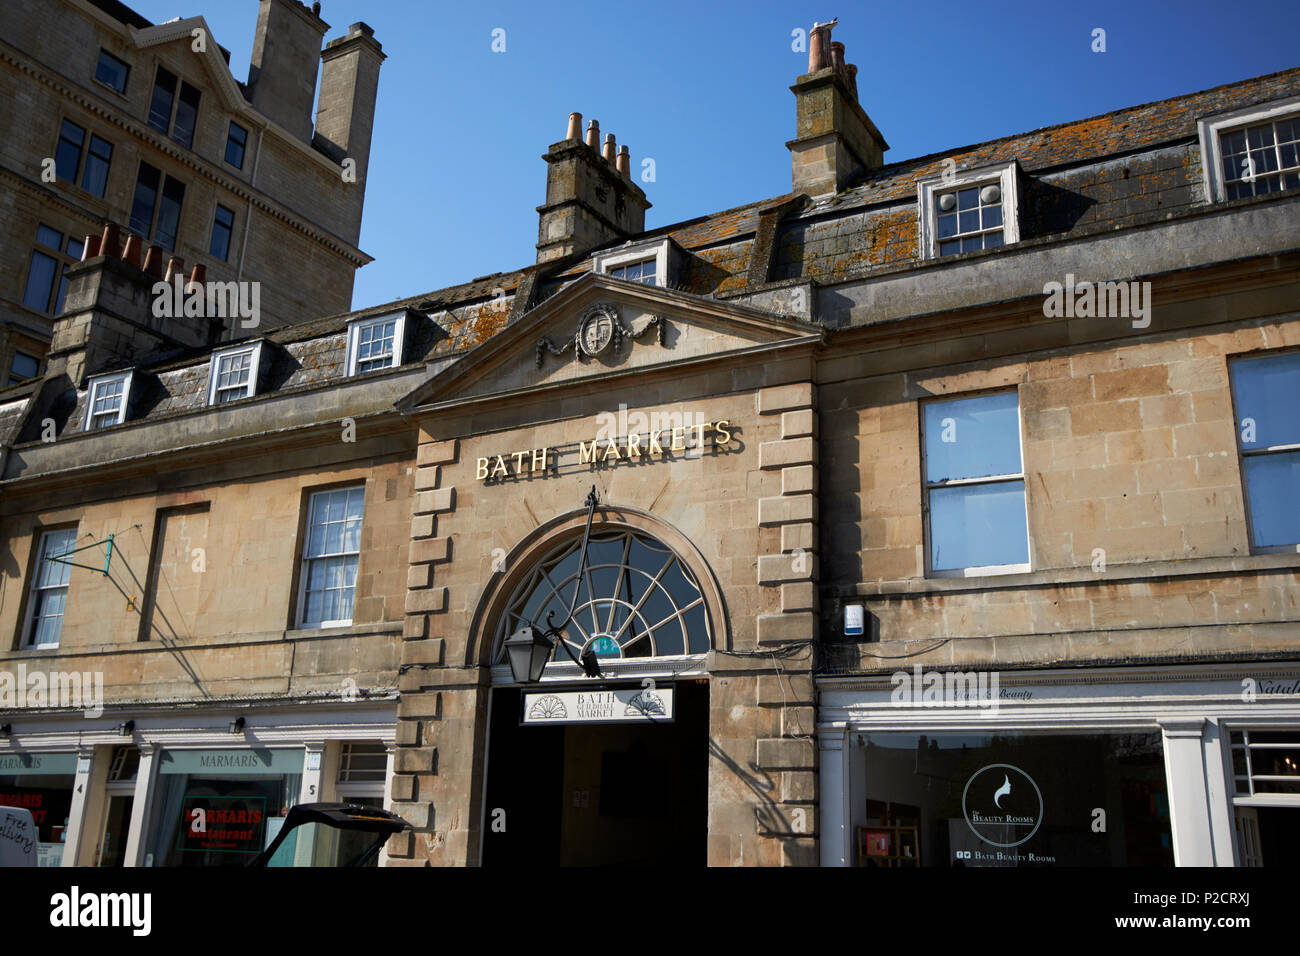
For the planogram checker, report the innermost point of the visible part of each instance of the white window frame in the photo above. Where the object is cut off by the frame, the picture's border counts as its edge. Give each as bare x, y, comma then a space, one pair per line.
927, 192
354, 337
927, 486
29, 618
1212, 128
660, 251
99, 382
214, 367
307, 559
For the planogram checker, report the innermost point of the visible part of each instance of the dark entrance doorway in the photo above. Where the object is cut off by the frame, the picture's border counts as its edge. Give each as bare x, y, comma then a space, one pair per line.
627, 794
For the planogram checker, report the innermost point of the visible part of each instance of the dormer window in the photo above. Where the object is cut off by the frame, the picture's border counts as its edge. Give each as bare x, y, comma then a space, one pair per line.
968, 210
1253, 151
233, 373
650, 263
107, 400
375, 343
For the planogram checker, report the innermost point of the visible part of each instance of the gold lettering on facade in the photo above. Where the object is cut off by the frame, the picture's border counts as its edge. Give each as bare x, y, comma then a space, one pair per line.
655, 447
722, 436
481, 471
588, 452
679, 439
611, 450
539, 459
633, 444
499, 467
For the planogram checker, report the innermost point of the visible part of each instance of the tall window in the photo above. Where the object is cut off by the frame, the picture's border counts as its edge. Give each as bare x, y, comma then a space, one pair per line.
107, 400
155, 212
46, 284
975, 486
49, 594
68, 158
223, 225
331, 556
111, 71
171, 114
23, 368
1267, 393
375, 343
236, 141
636, 599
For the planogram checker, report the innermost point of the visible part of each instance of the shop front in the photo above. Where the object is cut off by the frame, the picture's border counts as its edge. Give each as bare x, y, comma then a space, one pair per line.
42, 783
1187, 766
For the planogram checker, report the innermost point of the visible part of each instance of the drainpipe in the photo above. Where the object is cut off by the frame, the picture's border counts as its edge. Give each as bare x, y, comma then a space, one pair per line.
248, 213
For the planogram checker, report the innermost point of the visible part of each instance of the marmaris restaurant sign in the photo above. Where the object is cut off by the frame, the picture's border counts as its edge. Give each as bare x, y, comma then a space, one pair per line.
689, 440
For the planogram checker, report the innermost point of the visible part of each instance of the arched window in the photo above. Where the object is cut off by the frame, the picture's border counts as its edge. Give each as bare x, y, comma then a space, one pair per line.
636, 599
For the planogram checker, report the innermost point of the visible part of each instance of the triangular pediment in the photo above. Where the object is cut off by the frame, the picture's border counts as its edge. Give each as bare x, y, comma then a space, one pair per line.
600, 326
182, 31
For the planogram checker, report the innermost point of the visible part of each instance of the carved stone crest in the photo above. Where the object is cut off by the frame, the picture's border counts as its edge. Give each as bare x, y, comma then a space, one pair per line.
600, 329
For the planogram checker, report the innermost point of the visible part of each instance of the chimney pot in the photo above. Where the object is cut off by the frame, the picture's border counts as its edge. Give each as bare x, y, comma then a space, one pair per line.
819, 54
575, 127
624, 163
110, 244
851, 74
90, 249
611, 149
131, 254
593, 135
199, 275
175, 267
153, 261
837, 56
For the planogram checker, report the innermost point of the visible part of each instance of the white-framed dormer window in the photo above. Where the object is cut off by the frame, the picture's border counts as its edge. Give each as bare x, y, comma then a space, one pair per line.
232, 374
331, 555
1251, 151
375, 343
107, 401
650, 263
967, 210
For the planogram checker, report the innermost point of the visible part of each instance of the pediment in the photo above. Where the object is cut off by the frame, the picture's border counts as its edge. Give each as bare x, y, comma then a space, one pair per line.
182, 31
599, 326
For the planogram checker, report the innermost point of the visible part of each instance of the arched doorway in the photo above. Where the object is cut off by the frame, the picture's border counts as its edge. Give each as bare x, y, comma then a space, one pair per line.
615, 791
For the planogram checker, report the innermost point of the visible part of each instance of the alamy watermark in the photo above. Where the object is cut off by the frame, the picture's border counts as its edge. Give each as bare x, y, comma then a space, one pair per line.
1086, 300
75, 689
242, 300
923, 688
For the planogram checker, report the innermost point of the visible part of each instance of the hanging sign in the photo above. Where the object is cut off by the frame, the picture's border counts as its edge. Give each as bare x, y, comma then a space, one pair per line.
603, 705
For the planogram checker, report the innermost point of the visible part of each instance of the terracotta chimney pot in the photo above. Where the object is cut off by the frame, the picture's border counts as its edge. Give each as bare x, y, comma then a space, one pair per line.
90, 249
175, 267
819, 54
851, 74
111, 244
593, 135
837, 56
153, 260
611, 150
575, 127
624, 164
199, 275
131, 254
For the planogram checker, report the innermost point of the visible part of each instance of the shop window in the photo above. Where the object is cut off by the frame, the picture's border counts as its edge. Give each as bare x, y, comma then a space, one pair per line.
1266, 392
236, 143
111, 71
331, 557
47, 283
107, 399
974, 492
637, 599
156, 206
968, 210
1011, 799
23, 368
1252, 152
49, 591
42, 783
1265, 762
233, 374
243, 796
375, 343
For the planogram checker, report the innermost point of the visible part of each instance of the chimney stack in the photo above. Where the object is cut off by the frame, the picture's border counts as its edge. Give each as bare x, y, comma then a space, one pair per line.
345, 113
590, 198
282, 70
835, 140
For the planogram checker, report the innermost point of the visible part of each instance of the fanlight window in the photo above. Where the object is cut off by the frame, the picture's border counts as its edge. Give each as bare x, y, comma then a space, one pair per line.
636, 599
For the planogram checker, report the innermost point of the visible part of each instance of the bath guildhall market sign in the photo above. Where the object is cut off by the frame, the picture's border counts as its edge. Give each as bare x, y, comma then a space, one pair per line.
604, 705
688, 441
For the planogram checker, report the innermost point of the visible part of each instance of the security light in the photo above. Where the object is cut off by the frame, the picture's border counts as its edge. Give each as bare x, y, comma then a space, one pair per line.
126, 729
237, 725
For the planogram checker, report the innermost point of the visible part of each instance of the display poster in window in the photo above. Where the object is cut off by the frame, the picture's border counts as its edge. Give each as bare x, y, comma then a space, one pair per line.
211, 824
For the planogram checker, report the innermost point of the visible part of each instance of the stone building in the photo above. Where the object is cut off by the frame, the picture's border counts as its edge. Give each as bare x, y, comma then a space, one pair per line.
942, 512
116, 119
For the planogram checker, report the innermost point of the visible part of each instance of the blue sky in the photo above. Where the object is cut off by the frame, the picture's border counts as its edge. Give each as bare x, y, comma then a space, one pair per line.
702, 88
